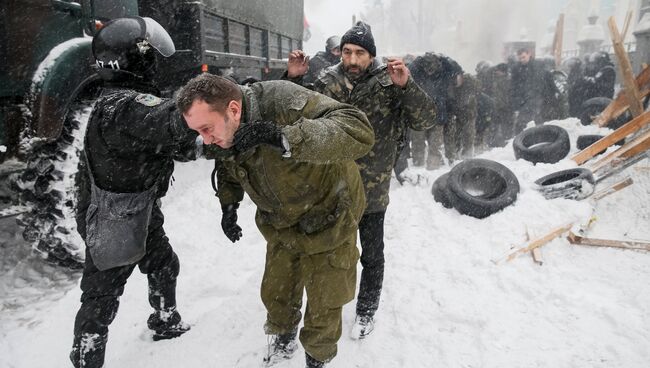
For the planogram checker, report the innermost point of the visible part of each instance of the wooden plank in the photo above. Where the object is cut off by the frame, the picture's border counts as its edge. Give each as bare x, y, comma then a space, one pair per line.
620, 133
626, 25
622, 109
540, 241
558, 39
613, 189
630, 149
619, 105
616, 166
537, 256
594, 242
631, 89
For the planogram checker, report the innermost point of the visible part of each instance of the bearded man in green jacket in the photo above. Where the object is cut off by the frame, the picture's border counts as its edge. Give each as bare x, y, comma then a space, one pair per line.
292, 151
393, 102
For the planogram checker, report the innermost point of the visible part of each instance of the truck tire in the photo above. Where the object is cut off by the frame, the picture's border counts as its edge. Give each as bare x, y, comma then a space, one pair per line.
48, 187
577, 183
544, 143
592, 107
440, 191
479, 187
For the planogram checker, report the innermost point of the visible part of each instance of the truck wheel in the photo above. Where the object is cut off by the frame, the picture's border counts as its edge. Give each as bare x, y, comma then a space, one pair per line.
544, 143
48, 187
479, 187
440, 191
575, 183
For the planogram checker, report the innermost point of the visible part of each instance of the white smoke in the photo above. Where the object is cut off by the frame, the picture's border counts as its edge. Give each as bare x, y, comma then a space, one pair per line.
467, 30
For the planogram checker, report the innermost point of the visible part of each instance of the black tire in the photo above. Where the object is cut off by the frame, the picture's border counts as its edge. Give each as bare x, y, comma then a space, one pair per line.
440, 191
48, 186
587, 140
620, 120
592, 107
544, 143
479, 187
575, 183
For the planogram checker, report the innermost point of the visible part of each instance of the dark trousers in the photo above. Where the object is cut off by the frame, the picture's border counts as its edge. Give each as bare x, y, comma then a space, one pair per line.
371, 234
101, 289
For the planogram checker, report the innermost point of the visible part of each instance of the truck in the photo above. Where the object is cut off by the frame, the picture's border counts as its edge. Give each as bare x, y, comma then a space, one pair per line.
48, 84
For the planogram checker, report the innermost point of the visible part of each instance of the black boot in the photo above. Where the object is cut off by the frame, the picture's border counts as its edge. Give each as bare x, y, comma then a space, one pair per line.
281, 347
88, 350
166, 324
313, 363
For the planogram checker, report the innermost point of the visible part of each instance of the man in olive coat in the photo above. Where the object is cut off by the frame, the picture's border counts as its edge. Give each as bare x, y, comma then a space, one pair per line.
292, 151
392, 102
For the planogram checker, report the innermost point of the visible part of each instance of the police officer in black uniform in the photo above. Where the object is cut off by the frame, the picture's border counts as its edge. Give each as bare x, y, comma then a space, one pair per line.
323, 59
132, 138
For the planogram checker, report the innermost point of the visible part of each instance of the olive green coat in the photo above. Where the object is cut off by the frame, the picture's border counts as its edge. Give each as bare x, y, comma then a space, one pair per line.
390, 110
312, 200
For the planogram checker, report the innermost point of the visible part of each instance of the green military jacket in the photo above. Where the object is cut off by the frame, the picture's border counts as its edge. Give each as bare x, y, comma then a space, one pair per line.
314, 198
390, 110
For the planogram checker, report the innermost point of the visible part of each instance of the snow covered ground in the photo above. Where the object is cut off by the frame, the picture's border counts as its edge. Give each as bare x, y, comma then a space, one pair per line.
445, 302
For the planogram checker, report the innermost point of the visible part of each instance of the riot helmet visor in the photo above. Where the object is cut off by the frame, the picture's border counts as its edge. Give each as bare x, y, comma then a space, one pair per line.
158, 37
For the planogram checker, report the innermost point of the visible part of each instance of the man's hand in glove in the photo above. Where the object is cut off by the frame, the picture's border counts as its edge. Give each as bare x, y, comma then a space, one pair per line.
255, 133
229, 222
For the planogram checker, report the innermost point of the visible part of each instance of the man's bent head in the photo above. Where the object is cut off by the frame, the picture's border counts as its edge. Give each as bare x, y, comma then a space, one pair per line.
212, 106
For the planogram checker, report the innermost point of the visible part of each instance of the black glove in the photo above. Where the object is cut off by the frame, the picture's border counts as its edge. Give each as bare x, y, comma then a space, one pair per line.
255, 133
229, 221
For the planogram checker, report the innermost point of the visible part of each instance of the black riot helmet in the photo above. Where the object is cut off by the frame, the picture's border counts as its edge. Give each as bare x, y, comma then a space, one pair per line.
483, 66
600, 59
130, 45
332, 43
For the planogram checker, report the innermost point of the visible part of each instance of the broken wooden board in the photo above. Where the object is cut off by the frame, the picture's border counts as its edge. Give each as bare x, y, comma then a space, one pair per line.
619, 105
628, 128
594, 242
626, 24
617, 165
632, 94
540, 241
537, 256
635, 147
558, 231
557, 40
613, 189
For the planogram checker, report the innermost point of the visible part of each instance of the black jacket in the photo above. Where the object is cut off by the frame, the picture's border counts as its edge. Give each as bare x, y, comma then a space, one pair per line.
133, 137
435, 74
531, 83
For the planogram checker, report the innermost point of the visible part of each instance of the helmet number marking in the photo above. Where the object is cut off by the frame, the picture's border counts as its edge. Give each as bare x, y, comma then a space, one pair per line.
113, 64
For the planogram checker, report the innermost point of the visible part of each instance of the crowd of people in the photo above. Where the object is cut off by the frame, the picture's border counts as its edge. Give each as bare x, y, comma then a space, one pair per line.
314, 152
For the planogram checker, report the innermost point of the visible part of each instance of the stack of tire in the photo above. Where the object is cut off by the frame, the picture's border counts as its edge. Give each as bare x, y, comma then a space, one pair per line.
477, 188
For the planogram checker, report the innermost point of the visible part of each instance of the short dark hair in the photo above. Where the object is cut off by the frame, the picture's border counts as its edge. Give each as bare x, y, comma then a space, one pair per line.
214, 90
524, 49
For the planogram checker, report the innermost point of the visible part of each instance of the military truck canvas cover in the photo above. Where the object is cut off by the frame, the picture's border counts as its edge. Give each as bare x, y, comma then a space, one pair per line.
281, 16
